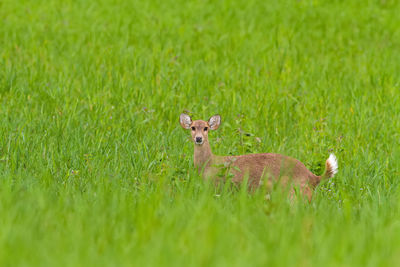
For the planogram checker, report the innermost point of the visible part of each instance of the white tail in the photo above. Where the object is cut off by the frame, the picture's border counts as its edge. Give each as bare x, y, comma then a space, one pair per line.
331, 166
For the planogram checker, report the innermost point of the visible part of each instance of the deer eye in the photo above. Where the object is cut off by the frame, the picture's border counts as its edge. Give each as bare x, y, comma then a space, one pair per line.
193, 128
205, 129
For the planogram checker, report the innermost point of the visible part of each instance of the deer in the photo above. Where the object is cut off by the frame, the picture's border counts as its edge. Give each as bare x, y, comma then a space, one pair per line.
256, 168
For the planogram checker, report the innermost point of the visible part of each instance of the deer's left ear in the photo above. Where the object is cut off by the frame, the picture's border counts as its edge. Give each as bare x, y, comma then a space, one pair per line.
214, 122
185, 121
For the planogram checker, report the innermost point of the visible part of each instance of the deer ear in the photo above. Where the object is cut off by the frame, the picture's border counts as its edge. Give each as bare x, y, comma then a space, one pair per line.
214, 122
185, 121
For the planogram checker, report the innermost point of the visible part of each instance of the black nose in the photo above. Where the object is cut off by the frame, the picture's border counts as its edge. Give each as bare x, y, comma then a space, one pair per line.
198, 139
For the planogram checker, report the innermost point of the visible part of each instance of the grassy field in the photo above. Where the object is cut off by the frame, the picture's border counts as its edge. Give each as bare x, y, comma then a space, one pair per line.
95, 169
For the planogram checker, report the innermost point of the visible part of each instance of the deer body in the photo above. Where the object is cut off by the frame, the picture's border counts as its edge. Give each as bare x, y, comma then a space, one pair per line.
258, 168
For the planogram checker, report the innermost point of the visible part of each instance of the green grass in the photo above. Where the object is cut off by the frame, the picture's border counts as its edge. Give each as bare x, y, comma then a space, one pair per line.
95, 169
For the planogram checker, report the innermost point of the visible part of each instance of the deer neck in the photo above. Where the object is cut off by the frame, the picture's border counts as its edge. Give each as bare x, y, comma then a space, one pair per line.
202, 154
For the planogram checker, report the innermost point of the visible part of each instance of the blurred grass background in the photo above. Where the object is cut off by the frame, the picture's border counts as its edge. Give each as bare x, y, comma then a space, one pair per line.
95, 169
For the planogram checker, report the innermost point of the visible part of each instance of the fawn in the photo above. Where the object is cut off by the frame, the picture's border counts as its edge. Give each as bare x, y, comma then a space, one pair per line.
274, 167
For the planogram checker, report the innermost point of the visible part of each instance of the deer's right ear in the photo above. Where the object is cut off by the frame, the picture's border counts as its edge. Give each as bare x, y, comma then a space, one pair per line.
185, 121
214, 122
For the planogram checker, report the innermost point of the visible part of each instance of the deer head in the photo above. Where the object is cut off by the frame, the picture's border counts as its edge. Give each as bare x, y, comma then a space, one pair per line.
199, 128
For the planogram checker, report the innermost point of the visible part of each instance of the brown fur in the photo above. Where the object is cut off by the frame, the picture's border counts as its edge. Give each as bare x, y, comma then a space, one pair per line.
329, 173
258, 168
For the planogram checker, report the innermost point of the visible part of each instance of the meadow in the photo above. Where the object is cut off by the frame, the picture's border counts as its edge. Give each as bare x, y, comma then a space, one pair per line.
95, 169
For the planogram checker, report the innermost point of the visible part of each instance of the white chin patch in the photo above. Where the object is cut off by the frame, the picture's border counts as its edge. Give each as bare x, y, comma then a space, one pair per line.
198, 143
